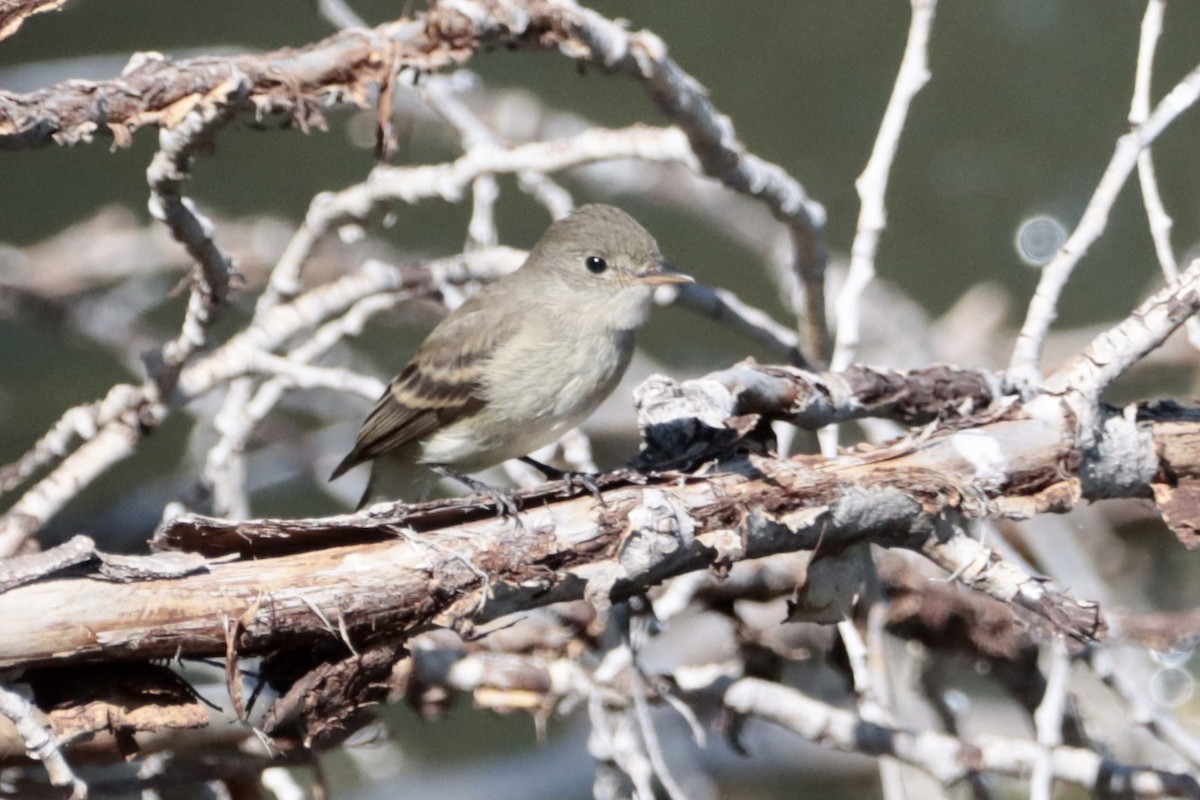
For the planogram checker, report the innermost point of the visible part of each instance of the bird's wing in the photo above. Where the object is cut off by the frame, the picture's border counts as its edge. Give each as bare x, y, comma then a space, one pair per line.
440, 385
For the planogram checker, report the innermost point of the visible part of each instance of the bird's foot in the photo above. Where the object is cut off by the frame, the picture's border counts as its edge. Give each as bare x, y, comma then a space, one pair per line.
505, 502
585, 480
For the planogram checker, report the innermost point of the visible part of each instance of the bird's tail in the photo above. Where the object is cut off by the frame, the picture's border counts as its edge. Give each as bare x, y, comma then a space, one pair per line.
397, 476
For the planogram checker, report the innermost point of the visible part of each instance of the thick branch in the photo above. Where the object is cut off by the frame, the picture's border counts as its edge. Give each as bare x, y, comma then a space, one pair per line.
380, 585
815, 399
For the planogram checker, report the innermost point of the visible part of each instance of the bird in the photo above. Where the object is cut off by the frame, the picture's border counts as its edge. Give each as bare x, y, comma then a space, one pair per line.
524, 360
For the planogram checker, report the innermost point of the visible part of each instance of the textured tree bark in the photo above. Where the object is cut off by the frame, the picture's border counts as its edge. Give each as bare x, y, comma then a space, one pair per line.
392, 571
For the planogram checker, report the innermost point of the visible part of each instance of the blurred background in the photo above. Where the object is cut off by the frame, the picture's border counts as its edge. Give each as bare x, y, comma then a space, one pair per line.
1025, 104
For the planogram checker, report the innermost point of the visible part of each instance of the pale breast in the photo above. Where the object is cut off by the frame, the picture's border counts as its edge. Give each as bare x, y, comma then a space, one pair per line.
540, 384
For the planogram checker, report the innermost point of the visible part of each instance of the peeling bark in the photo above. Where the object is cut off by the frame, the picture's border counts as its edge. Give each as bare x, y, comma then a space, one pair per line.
392, 570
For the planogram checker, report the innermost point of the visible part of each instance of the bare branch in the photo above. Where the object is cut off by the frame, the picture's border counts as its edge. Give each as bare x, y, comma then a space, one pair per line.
726, 308
132, 411
339, 14
75, 425
444, 96
1115, 350
19, 570
1043, 305
815, 399
13, 13
969, 561
1160, 724
1049, 721
450, 181
945, 758
40, 742
346, 65
157, 91
685, 102
166, 174
113, 442
710, 526
790, 505
1139, 111
872, 183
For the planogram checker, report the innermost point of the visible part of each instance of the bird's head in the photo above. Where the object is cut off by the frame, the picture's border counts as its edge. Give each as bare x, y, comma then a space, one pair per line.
600, 259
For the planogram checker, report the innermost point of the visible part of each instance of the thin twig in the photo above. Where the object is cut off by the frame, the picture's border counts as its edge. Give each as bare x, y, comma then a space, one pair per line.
945, 758
1043, 306
1048, 720
166, 174
40, 742
1156, 213
714, 141
872, 183
444, 95
891, 771
339, 14
13, 13
1160, 724
654, 751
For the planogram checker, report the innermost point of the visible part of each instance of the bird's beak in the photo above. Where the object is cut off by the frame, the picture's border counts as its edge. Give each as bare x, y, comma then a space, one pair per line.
660, 272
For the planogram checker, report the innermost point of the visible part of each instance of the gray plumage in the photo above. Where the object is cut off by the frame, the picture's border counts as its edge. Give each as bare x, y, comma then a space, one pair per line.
522, 361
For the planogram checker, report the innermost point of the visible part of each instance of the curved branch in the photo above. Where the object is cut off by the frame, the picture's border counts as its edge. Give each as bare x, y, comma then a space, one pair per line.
345, 68
13, 13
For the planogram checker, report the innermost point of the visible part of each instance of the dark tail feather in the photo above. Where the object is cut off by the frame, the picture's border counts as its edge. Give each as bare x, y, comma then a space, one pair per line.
398, 477
350, 461
368, 493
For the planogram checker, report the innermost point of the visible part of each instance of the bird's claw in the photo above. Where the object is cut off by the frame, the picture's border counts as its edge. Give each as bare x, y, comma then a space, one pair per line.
505, 502
585, 480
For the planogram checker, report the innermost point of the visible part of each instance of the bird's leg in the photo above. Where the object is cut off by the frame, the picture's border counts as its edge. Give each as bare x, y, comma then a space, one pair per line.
548, 472
584, 479
506, 502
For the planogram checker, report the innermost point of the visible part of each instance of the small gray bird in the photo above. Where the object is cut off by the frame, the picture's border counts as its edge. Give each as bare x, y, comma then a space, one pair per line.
521, 362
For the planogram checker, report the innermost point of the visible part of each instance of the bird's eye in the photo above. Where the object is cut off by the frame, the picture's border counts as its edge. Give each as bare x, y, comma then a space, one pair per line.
595, 264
